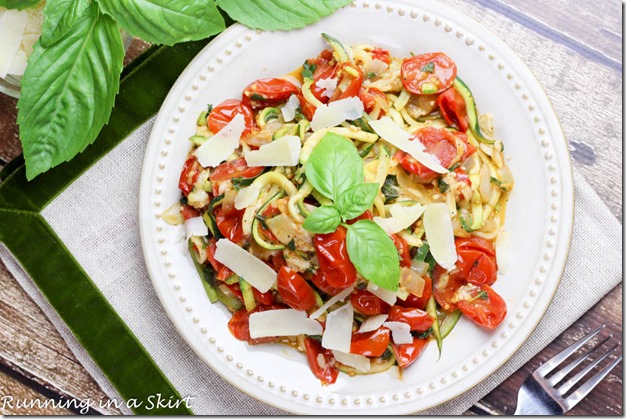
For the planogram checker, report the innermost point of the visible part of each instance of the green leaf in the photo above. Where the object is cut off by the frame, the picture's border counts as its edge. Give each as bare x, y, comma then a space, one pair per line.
334, 166
68, 91
18, 4
356, 200
166, 21
373, 254
279, 14
59, 17
323, 220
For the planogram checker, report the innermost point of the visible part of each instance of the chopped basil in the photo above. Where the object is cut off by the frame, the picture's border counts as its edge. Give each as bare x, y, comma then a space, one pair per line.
466, 226
443, 186
308, 68
425, 334
390, 188
428, 68
371, 75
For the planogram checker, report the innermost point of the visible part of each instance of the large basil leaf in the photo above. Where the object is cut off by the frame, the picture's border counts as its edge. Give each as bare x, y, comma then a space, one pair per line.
334, 166
166, 21
68, 91
373, 254
356, 200
59, 17
323, 220
18, 4
279, 14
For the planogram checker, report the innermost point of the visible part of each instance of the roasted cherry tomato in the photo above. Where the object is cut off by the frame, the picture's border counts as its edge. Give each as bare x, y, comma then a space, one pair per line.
381, 54
222, 272
232, 169
332, 254
308, 110
428, 74
445, 287
371, 96
325, 68
223, 113
452, 107
349, 83
417, 319
263, 298
323, 368
239, 324
294, 290
372, 343
187, 211
320, 282
403, 250
268, 92
482, 305
476, 260
407, 353
189, 174
469, 149
437, 141
229, 223
419, 302
367, 303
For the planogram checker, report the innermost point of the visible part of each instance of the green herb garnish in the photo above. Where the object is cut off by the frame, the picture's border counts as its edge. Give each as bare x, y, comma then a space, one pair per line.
428, 68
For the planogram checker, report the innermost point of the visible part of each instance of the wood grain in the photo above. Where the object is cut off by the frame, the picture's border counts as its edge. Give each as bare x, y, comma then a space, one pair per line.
14, 395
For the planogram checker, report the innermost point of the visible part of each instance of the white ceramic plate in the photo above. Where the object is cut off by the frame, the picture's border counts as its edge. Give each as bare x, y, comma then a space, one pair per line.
539, 216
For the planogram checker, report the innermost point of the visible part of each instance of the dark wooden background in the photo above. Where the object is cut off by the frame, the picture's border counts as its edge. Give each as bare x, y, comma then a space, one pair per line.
571, 45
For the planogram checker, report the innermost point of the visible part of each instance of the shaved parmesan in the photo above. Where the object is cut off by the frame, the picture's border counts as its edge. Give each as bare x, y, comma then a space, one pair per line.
400, 332
195, 227
284, 322
339, 297
338, 330
372, 323
386, 295
394, 135
334, 113
289, 110
284, 151
440, 234
12, 26
244, 264
329, 85
247, 196
359, 362
402, 216
221, 145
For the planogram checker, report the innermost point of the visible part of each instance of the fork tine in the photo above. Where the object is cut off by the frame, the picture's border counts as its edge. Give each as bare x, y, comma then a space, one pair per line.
572, 381
560, 374
561, 356
586, 388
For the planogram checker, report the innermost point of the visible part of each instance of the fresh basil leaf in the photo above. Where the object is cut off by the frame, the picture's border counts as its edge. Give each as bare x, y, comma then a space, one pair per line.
59, 17
356, 200
334, 166
323, 220
166, 21
279, 14
18, 4
68, 91
373, 254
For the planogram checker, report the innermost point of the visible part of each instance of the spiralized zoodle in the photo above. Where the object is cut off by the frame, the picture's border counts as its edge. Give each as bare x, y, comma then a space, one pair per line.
355, 211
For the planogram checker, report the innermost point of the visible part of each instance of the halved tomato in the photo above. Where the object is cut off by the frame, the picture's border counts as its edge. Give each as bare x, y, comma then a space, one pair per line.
223, 113
428, 74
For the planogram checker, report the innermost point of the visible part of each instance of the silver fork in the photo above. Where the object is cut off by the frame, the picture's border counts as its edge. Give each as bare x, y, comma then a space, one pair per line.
543, 395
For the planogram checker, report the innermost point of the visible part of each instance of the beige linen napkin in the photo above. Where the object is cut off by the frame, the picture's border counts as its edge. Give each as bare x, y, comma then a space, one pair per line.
103, 204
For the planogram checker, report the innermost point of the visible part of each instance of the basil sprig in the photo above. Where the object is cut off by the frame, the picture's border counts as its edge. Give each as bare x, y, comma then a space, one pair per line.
72, 76
335, 170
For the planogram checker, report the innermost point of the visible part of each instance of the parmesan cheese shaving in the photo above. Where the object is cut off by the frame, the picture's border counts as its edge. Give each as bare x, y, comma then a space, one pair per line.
247, 196
195, 227
283, 322
221, 145
402, 216
372, 323
329, 85
440, 234
244, 264
338, 330
387, 296
400, 332
335, 299
289, 109
284, 151
396, 136
12, 26
334, 113
359, 362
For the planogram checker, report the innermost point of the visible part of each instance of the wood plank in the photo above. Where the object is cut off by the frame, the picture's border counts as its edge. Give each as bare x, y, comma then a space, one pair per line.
589, 28
10, 146
606, 398
30, 344
14, 395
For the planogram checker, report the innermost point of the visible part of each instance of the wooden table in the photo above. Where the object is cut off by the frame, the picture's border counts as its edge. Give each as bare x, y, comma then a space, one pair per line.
35, 362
